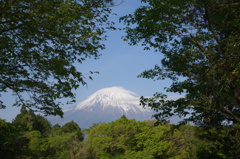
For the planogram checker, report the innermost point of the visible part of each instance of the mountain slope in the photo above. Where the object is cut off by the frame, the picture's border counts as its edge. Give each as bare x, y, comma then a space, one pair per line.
105, 105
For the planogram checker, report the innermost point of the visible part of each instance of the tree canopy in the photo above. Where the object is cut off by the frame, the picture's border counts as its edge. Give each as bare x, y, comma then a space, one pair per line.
41, 41
31, 136
127, 138
200, 41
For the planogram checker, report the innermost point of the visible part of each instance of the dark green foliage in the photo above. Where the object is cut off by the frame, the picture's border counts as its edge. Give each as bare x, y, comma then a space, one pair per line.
41, 41
218, 142
123, 138
11, 144
41, 124
32, 136
123, 117
72, 127
31, 121
200, 41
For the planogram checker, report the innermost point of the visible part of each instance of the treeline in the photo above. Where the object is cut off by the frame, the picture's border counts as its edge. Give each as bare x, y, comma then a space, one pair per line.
32, 136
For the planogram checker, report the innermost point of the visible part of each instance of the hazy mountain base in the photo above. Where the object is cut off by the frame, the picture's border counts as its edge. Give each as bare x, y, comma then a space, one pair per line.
86, 117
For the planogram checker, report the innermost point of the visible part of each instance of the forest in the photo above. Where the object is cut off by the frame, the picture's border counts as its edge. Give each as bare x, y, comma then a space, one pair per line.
32, 136
41, 42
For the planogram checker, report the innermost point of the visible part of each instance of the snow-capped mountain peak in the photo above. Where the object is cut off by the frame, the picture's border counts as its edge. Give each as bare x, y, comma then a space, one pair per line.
113, 96
106, 105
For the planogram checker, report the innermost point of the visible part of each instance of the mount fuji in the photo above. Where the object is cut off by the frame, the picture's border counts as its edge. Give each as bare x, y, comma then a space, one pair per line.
105, 105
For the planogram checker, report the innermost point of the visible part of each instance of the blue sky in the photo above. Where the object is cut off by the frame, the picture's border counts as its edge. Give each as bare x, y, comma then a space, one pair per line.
119, 65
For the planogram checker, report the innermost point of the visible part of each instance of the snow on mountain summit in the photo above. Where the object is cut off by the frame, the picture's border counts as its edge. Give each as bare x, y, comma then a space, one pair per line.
119, 92
113, 96
106, 105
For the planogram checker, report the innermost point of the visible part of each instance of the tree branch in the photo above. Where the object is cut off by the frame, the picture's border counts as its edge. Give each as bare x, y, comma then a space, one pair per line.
200, 46
232, 114
231, 4
9, 21
9, 29
210, 22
